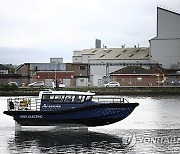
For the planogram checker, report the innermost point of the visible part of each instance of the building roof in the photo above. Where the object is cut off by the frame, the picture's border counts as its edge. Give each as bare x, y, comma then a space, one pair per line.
2, 67
132, 70
116, 53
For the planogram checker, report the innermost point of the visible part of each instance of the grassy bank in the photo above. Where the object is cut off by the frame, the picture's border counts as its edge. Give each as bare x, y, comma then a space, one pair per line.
133, 90
101, 91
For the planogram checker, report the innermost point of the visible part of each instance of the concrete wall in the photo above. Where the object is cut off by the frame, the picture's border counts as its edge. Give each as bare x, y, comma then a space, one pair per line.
166, 52
168, 24
136, 80
77, 59
81, 82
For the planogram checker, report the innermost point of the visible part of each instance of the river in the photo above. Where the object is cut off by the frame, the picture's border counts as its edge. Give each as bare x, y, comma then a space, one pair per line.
153, 127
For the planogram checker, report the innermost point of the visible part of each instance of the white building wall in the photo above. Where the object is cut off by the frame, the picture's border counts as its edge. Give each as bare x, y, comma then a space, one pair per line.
81, 82
77, 59
165, 48
168, 24
94, 61
3, 71
166, 52
67, 82
95, 80
56, 60
86, 57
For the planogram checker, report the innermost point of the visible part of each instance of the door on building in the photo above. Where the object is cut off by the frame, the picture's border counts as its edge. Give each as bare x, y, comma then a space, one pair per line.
99, 82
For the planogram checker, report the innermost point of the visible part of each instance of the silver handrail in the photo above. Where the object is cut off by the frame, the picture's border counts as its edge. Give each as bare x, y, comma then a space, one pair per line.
112, 100
25, 104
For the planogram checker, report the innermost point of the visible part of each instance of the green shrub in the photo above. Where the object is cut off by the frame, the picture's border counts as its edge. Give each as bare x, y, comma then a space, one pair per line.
7, 87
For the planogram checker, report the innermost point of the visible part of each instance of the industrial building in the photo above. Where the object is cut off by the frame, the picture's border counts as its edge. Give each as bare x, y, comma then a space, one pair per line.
67, 73
164, 53
165, 47
103, 61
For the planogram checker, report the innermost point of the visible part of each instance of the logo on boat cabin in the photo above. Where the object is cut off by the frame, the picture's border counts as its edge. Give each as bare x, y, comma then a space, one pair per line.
50, 106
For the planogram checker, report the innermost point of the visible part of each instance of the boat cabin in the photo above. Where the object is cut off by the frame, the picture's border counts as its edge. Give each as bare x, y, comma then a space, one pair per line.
65, 96
60, 100
52, 100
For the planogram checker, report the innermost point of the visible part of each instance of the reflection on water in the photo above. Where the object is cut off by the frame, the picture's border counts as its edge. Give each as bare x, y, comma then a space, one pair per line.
119, 141
64, 142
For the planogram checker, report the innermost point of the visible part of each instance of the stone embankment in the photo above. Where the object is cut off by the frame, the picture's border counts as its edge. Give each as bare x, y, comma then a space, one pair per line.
148, 91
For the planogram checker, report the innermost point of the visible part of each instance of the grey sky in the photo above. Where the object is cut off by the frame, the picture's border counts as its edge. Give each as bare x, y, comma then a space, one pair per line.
36, 30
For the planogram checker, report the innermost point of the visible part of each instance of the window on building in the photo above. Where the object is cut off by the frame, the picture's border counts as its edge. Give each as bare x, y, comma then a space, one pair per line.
109, 51
139, 79
82, 80
119, 79
82, 67
118, 55
102, 56
94, 51
132, 55
138, 50
3, 72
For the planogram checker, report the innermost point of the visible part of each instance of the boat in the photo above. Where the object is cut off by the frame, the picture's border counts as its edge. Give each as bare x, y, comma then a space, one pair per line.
53, 108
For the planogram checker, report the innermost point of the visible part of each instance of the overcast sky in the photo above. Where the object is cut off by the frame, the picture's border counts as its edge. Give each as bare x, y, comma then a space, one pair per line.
36, 30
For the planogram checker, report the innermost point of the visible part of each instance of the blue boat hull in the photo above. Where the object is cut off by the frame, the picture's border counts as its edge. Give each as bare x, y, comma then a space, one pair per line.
95, 115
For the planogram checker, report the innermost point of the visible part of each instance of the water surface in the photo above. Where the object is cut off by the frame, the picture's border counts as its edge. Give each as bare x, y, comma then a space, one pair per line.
153, 127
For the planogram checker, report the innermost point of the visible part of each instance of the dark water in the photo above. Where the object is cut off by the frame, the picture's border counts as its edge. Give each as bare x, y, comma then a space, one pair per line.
153, 127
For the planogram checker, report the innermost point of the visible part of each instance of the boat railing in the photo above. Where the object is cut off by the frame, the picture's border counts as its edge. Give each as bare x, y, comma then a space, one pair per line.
30, 104
16, 104
121, 100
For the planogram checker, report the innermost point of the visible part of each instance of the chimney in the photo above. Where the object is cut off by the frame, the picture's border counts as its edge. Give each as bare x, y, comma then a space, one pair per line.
98, 43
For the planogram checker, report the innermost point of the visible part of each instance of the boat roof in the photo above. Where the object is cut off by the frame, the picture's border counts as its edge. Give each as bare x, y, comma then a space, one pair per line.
66, 93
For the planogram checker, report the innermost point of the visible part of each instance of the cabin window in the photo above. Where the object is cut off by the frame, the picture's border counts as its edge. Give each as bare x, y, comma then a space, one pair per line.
46, 97
66, 98
88, 98
51, 97
83, 98
76, 98
58, 97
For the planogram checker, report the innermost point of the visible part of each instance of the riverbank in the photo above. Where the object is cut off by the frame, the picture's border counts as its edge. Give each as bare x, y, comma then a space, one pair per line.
148, 91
